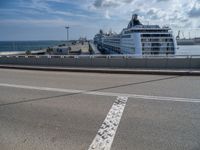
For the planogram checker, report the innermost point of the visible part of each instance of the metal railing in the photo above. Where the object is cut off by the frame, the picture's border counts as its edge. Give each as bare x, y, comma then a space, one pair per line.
101, 56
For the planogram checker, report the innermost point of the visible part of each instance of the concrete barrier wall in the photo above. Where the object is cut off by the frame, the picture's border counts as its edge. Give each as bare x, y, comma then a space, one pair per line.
69, 61
136, 63
104, 61
195, 63
157, 63
117, 62
178, 63
101, 62
83, 62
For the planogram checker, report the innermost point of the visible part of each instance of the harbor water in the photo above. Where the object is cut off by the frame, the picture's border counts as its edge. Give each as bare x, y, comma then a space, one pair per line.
7, 46
188, 50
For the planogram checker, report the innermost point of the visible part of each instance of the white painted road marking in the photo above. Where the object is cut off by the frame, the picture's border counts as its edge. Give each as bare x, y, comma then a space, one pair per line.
105, 136
157, 98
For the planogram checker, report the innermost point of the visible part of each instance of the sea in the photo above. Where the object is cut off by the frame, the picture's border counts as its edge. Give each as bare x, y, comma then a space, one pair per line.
9, 46
6, 46
188, 50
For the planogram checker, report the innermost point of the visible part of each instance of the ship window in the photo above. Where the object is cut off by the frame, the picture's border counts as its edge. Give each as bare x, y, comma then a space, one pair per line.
126, 36
156, 35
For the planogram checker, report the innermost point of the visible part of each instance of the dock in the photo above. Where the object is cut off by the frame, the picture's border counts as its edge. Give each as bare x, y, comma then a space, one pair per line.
80, 47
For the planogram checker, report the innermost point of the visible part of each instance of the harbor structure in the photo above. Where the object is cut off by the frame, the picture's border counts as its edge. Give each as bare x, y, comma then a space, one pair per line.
187, 41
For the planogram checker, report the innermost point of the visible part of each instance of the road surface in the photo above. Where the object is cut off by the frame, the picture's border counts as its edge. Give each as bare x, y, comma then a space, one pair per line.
84, 111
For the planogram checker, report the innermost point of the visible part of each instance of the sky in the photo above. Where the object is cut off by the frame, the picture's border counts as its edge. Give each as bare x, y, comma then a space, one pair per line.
46, 19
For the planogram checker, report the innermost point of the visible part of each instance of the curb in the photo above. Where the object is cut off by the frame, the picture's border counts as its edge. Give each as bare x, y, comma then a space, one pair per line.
106, 70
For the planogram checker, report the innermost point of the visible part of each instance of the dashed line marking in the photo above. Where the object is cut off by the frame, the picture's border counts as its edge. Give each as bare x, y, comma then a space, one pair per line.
148, 97
105, 136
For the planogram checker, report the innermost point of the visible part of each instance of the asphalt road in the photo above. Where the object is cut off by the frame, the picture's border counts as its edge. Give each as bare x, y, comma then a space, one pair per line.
81, 111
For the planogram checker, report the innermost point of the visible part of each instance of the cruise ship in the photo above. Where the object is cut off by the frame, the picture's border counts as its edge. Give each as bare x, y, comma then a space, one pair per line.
138, 39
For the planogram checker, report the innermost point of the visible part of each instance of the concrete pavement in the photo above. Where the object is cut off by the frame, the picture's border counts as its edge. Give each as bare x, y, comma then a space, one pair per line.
62, 110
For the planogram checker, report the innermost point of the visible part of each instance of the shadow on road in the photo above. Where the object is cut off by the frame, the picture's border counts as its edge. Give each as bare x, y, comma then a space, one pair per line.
95, 90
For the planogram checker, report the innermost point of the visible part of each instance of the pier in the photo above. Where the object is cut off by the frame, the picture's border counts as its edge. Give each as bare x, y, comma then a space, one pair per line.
75, 47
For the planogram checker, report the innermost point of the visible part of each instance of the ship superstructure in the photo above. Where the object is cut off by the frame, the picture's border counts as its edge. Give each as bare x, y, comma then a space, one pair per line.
138, 39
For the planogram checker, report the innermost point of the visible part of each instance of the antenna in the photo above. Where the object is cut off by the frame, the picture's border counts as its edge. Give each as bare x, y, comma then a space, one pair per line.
67, 27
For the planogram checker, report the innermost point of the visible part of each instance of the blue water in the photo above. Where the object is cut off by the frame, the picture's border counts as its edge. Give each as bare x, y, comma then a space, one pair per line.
26, 45
37, 45
188, 50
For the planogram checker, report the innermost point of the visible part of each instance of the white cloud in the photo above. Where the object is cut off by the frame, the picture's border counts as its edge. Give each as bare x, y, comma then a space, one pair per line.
171, 12
195, 10
108, 14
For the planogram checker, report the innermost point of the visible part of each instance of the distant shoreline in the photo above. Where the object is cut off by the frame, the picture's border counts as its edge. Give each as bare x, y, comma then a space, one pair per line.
11, 46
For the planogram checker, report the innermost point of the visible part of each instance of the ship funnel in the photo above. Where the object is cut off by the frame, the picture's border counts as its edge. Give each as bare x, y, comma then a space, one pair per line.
135, 17
134, 21
100, 31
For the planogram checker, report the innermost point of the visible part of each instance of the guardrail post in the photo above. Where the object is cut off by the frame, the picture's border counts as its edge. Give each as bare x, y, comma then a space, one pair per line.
91, 61
190, 61
126, 62
146, 61
108, 61
166, 63
76, 60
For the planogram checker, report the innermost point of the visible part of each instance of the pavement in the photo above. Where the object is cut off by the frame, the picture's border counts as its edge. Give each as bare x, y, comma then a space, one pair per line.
94, 48
84, 48
51, 110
